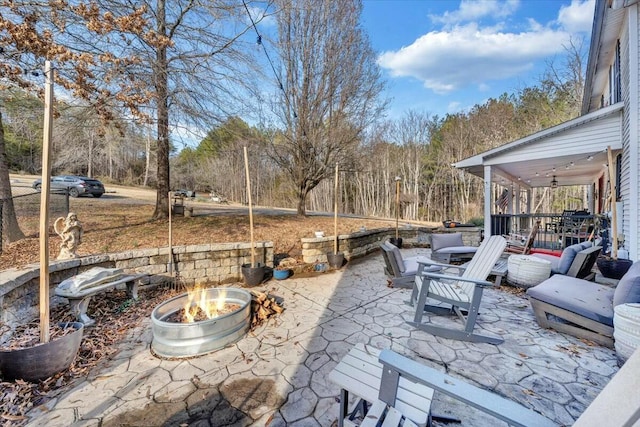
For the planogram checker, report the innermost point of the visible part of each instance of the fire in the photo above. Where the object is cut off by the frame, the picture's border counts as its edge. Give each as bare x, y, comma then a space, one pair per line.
197, 300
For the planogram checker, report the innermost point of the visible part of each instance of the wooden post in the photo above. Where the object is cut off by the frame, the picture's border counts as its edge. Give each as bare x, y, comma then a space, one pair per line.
335, 212
246, 172
47, 132
397, 203
614, 213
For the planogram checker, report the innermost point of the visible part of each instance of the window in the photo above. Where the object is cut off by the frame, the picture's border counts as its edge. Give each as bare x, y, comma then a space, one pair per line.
615, 86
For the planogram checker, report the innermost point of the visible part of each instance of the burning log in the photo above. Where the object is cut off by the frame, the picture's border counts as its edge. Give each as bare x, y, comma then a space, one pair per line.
263, 307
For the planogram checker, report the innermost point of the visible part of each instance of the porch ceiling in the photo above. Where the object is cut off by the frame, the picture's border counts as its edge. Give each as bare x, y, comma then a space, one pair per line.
574, 151
586, 168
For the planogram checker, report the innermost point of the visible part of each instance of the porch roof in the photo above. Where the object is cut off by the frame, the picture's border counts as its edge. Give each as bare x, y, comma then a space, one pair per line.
575, 152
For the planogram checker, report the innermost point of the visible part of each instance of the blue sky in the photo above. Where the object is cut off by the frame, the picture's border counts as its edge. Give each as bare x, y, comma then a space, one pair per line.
441, 56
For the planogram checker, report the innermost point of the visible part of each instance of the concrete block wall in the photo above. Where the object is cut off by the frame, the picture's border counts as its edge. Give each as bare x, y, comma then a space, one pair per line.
194, 264
362, 243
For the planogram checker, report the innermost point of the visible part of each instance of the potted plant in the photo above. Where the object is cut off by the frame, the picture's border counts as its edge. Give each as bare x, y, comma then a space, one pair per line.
281, 272
611, 266
253, 273
335, 258
51, 352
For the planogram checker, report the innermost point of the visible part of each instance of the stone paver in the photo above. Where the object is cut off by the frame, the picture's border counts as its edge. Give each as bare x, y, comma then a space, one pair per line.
277, 375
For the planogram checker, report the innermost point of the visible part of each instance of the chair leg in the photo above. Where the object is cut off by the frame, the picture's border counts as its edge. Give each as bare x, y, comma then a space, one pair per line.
422, 299
456, 334
472, 315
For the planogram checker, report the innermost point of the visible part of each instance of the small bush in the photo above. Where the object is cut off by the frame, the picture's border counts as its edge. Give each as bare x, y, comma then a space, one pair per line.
477, 221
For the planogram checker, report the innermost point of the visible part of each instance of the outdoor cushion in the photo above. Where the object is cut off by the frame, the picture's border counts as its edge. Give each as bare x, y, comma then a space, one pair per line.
566, 259
579, 296
444, 240
458, 250
628, 288
554, 260
398, 256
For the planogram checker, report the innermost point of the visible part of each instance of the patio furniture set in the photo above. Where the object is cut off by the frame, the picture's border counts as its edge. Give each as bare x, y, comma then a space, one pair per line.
395, 390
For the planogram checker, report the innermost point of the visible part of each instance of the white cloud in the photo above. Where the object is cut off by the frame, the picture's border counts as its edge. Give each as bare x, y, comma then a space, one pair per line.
578, 16
260, 16
448, 60
453, 107
471, 10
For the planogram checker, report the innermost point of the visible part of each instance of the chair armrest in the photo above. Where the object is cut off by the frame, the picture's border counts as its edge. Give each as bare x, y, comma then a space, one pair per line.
507, 410
456, 278
429, 262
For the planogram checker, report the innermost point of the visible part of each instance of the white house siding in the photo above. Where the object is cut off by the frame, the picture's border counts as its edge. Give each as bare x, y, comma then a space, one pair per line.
625, 182
587, 138
632, 210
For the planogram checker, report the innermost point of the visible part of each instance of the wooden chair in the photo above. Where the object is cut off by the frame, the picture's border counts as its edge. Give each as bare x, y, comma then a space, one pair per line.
400, 391
463, 293
522, 247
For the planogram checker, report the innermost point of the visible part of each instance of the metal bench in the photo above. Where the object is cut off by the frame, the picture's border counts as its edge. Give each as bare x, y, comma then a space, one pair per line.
80, 288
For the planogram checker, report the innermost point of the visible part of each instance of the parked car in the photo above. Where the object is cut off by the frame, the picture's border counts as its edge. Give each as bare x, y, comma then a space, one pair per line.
75, 185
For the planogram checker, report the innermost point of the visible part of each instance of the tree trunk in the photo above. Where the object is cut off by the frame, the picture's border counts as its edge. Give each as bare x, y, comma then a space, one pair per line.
160, 78
10, 229
302, 201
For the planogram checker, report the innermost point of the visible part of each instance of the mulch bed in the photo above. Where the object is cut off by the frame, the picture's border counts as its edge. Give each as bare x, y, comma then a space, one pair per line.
115, 316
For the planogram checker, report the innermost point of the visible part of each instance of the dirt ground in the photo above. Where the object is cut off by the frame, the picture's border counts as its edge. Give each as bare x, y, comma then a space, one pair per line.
121, 220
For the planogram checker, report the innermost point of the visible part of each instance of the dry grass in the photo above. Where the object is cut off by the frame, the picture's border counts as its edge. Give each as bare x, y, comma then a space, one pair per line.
116, 227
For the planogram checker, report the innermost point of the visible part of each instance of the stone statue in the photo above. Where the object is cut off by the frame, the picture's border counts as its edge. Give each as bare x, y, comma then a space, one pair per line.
70, 231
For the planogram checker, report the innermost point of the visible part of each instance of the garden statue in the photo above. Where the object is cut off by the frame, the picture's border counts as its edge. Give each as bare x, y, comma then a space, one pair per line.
70, 231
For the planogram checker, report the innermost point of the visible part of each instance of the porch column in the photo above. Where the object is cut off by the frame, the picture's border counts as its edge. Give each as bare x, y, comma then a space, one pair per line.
529, 201
487, 201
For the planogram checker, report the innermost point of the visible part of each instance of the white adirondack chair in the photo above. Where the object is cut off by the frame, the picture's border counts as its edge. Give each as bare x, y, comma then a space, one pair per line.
463, 293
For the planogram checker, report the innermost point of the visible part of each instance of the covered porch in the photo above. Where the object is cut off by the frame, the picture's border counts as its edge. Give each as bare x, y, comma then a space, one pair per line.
574, 153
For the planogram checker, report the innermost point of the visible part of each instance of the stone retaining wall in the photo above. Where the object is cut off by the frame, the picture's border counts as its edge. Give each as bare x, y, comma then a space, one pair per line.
194, 264
364, 242
209, 263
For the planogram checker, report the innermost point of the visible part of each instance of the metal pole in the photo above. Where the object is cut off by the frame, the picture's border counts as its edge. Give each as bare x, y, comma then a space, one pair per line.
335, 212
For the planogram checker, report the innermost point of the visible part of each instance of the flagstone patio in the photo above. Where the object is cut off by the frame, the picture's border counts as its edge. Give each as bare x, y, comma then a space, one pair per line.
277, 374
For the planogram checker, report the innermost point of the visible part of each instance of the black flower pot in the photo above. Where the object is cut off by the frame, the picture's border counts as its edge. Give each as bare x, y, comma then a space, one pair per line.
253, 276
396, 241
613, 268
335, 259
43, 360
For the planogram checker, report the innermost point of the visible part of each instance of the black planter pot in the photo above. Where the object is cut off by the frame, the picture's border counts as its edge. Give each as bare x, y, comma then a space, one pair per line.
613, 268
397, 242
253, 276
335, 260
42, 361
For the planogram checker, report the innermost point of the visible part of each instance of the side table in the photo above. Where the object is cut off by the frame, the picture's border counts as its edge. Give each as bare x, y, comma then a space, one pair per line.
626, 330
527, 271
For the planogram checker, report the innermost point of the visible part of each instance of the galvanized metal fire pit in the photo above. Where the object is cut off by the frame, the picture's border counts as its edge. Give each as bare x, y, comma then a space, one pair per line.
175, 339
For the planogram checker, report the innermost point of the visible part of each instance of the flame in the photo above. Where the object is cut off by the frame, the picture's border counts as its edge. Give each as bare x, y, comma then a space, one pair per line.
197, 299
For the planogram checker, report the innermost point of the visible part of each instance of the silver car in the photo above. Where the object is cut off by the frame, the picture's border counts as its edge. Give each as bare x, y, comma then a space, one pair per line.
75, 185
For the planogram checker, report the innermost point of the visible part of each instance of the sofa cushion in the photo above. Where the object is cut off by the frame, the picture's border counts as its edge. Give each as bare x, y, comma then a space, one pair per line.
628, 288
578, 296
554, 260
411, 267
398, 256
586, 245
445, 240
458, 250
566, 259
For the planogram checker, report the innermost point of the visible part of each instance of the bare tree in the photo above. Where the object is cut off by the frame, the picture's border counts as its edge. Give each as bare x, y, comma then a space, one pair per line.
31, 32
331, 86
